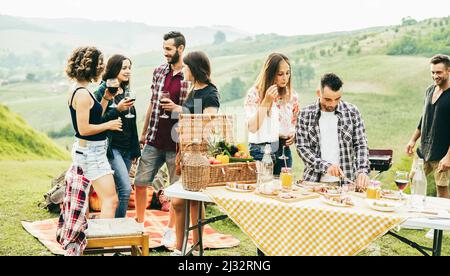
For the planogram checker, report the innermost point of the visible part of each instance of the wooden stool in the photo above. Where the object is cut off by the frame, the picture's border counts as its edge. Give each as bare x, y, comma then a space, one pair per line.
103, 234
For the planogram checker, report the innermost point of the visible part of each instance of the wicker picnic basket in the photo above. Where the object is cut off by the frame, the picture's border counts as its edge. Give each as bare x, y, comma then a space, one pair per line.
233, 172
194, 131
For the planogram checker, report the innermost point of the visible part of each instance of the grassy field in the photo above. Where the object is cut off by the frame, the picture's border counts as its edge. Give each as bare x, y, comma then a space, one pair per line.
21, 192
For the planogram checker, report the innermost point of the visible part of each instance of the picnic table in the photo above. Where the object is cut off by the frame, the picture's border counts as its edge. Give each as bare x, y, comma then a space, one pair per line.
311, 227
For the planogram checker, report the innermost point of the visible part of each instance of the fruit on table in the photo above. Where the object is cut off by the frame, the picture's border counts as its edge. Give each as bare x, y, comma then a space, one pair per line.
223, 158
244, 148
214, 161
241, 154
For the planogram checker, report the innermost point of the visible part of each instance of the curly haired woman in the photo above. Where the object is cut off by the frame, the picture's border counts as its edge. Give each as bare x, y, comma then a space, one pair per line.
85, 65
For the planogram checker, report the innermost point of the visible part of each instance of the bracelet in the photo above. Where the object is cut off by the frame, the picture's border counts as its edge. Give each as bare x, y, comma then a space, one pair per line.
106, 98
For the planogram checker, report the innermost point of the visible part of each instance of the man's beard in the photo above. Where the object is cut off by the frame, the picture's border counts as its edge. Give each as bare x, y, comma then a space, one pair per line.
175, 58
328, 109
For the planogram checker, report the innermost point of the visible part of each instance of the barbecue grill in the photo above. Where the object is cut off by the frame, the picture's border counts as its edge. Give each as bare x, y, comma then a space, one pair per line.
380, 160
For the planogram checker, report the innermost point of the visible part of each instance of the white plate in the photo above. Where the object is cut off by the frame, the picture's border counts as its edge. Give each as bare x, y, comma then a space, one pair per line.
393, 206
393, 196
238, 190
331, 194
334, 203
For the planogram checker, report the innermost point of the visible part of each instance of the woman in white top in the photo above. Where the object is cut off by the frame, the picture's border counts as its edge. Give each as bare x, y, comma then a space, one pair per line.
272, 110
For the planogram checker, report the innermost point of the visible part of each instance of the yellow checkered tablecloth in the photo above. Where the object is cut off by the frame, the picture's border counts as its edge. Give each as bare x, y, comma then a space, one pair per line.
307, 228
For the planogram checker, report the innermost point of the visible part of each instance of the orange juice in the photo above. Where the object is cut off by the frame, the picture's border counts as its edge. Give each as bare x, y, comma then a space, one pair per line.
374, 190
287, 179
372, 193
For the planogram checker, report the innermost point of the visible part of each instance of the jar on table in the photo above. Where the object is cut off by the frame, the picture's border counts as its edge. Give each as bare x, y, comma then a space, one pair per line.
374, 190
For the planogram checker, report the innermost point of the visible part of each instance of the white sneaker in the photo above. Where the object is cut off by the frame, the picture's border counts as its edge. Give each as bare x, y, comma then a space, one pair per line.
169, 238
176, 253
430, 234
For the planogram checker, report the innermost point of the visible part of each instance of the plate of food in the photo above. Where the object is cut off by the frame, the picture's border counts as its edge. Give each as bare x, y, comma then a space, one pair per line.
341, 201
392, 195
330, 191
240, 188
383, 206
308, 185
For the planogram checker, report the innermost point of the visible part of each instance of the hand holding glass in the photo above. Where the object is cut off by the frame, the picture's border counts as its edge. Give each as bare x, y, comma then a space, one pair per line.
165, 95
113, 86
132, 97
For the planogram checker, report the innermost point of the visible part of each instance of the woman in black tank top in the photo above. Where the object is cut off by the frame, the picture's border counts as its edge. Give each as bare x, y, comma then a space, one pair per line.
85, 65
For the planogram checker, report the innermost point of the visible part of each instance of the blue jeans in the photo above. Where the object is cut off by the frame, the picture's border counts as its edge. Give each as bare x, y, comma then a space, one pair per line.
257, 151
121, 165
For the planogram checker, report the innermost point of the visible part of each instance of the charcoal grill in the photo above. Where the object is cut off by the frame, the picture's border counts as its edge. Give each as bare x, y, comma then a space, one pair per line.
380, 160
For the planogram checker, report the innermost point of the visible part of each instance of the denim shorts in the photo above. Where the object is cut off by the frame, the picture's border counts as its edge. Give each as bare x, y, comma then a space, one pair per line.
92, 159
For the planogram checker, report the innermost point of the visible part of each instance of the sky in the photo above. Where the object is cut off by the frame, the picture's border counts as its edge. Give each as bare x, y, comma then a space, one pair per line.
285, 17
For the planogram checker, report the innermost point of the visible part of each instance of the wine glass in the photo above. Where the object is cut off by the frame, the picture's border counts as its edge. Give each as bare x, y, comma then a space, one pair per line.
165, 95
401, 180
113, 87
129, 95
283, 155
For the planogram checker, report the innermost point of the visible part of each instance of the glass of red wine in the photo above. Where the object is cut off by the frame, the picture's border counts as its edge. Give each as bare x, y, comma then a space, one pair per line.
401, 180
165, 95
113, 86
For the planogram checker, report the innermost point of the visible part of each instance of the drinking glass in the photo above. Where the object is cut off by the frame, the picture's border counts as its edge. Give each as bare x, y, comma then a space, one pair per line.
165, 95
283, 156
401, 180
129, 95
287, 179
113, 87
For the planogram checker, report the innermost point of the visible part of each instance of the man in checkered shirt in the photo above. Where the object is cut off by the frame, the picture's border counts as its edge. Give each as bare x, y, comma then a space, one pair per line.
159, 131
331, 138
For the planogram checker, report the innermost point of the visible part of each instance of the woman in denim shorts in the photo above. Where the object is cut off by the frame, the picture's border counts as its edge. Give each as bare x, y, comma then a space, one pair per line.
85, 65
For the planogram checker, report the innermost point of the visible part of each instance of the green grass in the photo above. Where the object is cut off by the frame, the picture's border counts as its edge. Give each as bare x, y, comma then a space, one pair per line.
23, 185
19, 141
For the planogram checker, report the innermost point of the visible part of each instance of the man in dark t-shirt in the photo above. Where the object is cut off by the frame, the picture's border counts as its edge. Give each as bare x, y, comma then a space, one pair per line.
434, 126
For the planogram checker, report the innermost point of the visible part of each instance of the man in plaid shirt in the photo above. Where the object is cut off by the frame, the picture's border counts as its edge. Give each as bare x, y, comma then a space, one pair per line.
159, 134
331, 138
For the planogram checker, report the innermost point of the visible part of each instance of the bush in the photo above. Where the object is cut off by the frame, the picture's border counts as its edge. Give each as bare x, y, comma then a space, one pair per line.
428, 45
67, 131
233, 90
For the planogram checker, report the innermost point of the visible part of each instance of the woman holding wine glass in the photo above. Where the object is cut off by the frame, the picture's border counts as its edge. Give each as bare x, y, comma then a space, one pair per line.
202, 99
85, 66
123, 147
272, 108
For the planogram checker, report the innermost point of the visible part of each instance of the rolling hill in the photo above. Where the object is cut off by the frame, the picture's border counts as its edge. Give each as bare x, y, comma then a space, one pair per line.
19, 141
387, 88
21, 36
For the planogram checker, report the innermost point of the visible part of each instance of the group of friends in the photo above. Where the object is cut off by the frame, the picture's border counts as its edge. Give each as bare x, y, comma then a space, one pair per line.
329, 135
